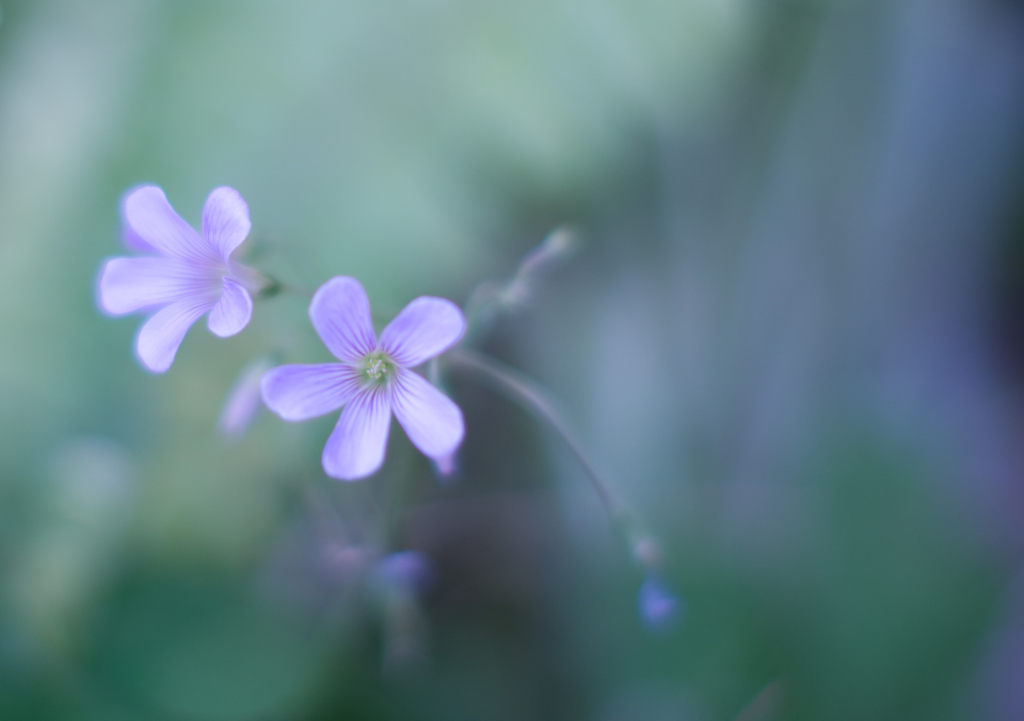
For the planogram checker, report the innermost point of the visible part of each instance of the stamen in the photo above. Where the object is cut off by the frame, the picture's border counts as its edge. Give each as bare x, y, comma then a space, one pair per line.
376, 368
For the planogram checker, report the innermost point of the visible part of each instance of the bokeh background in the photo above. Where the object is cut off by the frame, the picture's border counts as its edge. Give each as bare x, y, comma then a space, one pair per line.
792, 336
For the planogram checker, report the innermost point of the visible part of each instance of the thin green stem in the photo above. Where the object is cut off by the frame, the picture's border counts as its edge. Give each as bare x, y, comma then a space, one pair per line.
523, 391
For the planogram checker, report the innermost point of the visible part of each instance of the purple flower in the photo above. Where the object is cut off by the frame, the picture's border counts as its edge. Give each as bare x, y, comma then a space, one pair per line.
184, 275
659, 609
408, 570
372, 379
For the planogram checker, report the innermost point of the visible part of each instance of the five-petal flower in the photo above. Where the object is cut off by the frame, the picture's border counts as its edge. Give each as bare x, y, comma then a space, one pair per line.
372, 379
185, 275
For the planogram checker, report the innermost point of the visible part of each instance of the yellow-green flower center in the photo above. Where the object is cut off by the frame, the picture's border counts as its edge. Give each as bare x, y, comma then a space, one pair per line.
376, 369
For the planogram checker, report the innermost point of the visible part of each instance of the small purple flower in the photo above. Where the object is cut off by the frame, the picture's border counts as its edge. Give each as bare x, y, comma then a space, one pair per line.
658, 607
184, 275
409, 570
372, 380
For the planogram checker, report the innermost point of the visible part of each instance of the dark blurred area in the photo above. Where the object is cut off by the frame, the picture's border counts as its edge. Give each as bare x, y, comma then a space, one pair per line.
792, 335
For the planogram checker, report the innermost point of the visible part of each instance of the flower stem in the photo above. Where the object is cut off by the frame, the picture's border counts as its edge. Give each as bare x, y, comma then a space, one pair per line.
271, 287
535, 399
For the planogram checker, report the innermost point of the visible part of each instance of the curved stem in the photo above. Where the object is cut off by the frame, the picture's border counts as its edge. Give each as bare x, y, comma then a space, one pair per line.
523, 391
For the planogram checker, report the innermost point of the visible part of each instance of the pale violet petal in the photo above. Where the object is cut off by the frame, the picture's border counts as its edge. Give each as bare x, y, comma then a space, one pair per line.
129, 237
356, 447
225, 220
426, 327
446, 468
161, 335
130, 284
430, 418
298, 392
242, 402
155, 221
134, 241
233, 310
340, 312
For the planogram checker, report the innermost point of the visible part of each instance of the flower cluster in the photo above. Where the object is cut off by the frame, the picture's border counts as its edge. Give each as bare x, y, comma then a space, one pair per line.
184, 275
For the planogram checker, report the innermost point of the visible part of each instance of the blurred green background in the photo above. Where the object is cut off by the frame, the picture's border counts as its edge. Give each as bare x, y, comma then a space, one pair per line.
793, 336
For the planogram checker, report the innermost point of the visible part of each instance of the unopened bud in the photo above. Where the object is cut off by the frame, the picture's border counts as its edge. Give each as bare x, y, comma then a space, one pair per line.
556, 247
647, 553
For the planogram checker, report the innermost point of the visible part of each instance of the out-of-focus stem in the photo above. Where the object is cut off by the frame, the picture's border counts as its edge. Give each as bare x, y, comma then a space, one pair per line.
522, 390
766, 705
535, 399
271, 286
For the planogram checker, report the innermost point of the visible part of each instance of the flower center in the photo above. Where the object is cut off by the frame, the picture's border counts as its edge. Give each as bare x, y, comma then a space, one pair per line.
376, 369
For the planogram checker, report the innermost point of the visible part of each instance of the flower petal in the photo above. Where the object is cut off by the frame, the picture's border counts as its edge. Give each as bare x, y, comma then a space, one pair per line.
233, 310
340, 312
155, 221
426, 327
357, 444
298, 392
129, 237
225, 220
242, 402
161, 335
134, 241
129, 284
445, 467
430, 418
